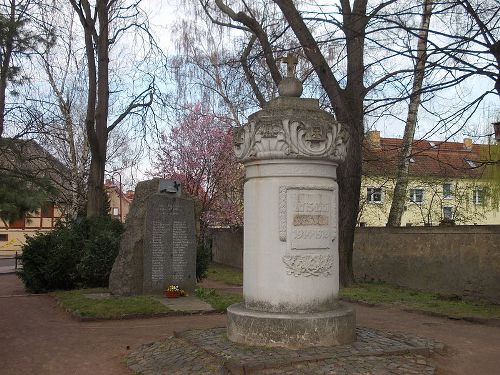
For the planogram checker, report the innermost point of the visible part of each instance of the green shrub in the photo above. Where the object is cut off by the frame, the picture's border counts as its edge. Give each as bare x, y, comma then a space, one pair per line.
49, 259
203, 258
77, 253
100, 249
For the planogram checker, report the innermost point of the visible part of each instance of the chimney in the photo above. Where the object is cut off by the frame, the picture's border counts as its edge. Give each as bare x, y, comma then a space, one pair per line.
373, 137
130, 194
468, 144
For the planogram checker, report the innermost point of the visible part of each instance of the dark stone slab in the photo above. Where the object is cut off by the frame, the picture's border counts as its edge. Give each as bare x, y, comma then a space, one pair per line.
158, 247
170, 244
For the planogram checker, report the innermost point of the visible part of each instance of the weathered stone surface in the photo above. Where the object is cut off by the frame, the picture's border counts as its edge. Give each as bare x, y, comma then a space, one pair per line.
289, 127
158, 247
329, 328
169, 244
126, 276
458, 261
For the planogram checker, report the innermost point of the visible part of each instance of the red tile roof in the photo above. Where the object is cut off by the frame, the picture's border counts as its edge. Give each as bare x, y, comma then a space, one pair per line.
428, 158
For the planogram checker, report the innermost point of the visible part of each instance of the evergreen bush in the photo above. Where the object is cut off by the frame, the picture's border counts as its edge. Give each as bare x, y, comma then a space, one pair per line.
76, 253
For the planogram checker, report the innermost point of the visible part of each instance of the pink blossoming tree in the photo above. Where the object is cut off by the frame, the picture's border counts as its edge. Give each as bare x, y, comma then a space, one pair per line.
199, 153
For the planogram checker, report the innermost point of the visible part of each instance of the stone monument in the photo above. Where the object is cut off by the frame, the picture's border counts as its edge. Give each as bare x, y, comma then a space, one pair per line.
158, 247
291, 149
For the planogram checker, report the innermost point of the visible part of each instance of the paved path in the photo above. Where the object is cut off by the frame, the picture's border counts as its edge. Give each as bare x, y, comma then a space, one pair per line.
37, 337
7, 264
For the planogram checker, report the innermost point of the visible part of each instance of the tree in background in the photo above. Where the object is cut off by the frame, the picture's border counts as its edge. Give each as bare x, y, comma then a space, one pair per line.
361, 55
199, 153
401, 186
104, 22
18, 40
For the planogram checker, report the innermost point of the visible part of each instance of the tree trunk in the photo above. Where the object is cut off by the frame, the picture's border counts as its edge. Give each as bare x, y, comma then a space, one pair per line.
349, 180
399, 196
348, 106
95, 204
96, 121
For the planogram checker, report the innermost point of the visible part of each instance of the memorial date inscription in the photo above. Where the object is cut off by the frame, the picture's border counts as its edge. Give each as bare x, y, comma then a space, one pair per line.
308, 224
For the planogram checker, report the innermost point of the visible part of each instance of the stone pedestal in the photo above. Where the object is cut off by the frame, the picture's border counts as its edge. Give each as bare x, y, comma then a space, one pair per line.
291, 150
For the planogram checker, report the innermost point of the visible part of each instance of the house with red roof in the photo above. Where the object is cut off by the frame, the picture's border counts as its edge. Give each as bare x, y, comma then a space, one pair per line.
448, 182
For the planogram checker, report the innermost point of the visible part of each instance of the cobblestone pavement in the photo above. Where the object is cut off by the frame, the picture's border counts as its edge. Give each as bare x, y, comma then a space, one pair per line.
210, 352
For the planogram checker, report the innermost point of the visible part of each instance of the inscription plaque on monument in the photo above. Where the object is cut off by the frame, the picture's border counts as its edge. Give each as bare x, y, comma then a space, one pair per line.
169, 244
308, 217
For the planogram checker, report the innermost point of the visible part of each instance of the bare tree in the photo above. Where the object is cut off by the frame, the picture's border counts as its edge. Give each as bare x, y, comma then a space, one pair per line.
401, 187
96, 21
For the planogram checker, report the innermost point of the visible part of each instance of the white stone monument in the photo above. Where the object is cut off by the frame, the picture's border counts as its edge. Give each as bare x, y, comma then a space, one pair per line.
291, 149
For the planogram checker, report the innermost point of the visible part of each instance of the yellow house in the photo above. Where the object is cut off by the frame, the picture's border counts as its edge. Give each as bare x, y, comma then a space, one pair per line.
119, 201
446, 185
28, 157
13, 235
19, 158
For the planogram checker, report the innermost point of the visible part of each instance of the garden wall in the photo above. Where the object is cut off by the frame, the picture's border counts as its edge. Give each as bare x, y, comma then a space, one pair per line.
227, 246
460, 260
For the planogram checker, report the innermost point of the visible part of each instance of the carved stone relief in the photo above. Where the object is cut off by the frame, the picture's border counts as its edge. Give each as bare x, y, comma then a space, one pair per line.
290, 138
308, 265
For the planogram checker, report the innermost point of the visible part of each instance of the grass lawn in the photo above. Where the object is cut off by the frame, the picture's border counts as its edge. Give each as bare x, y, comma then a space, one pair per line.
217, 299
372, 293
114, 307
415, 300
225, 274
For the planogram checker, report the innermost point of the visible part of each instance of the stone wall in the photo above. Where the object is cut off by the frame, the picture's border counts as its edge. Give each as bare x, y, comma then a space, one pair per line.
460, 260
227, 246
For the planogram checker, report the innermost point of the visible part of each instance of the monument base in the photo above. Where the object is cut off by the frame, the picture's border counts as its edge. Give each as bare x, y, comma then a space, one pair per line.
260, 328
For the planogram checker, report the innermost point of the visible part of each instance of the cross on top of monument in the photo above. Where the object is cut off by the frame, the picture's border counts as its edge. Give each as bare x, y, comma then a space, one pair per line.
291, 60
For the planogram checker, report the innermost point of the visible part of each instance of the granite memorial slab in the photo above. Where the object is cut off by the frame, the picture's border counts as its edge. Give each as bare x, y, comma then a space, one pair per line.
158, 247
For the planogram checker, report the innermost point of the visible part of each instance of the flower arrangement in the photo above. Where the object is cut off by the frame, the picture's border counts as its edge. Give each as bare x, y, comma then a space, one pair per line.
173, 291
173, 288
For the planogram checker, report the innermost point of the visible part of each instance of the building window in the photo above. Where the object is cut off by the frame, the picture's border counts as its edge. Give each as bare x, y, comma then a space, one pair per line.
447, 191
448, 213
116, 211
417, 195
374, 195
4, 237
477, 196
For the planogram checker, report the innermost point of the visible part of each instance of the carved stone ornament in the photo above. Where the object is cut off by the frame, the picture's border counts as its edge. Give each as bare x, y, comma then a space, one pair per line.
291, 128
308, 265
